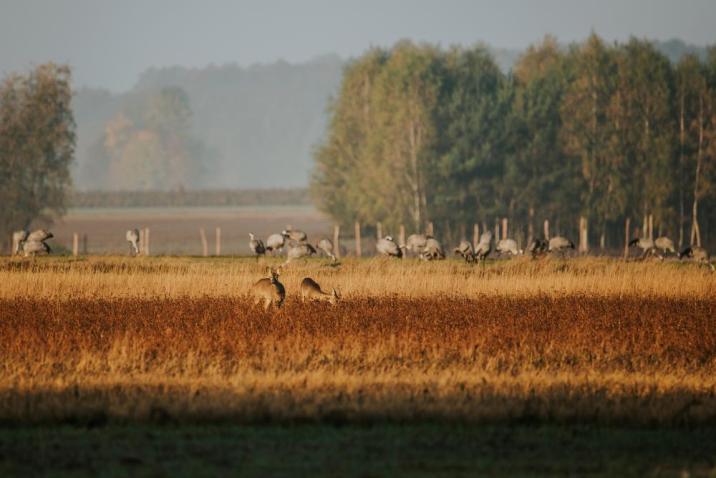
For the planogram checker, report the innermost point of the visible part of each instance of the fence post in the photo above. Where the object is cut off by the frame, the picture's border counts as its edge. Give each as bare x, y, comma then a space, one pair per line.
430, 230
626, 238
218, 241
204, 244
357, 234
336, 241
497, 230
401, 235
504, 228
475, 235
546, 229
146, 241
75, 244
379, 231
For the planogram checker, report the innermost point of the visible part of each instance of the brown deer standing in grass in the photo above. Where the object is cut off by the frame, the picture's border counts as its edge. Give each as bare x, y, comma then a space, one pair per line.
311, 291
269, 290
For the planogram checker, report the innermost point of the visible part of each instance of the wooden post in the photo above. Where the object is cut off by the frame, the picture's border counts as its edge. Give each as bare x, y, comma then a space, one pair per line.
146, 241
218, 241
504, 228
379, 231
204, 244
583, 238
336, 241
401, 235
546, 229
645, 227
75, 244
359, 252
626, 238
497, 230
530, 225
475, 235
430, 231
141, 242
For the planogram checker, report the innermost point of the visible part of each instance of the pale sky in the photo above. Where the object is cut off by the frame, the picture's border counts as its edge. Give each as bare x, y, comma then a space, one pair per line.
109, 43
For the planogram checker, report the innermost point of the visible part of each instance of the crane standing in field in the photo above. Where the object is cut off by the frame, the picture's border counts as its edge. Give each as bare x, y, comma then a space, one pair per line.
18, 238
275, 242
698, 254
538, 247
465, 250
326, 246
300, 250
645, 244
508, 246
559, 244
132, 237
432, 250
387, 247
35, 244
256, 245
484, 247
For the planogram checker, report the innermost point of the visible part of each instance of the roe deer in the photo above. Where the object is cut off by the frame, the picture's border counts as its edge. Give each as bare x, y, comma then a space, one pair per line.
310, 291
269, 290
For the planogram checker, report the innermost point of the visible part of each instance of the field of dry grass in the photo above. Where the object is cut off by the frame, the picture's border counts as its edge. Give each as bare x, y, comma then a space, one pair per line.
174, 277
163, 339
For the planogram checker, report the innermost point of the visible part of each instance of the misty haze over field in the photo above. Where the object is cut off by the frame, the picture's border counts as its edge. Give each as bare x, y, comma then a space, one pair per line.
248, 83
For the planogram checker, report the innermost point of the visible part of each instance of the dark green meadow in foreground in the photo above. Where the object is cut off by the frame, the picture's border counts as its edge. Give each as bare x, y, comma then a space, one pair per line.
378, 450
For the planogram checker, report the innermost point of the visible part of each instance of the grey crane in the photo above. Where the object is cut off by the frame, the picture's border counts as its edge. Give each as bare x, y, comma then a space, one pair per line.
484, 247
32, 248
665, 245
465, 250
18, 237
275, 242
508, 246
256, 245
415, 243
132, 237
299, 250
698, 254
326, 246
39, 235
432, 250
387, 247
560, 244
538, 247
294, 235
645, 244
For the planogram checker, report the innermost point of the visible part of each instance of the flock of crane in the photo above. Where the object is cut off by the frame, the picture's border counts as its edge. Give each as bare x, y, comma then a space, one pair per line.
271, 292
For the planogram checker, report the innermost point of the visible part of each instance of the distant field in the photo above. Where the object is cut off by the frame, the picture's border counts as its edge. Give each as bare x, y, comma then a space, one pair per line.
175, 230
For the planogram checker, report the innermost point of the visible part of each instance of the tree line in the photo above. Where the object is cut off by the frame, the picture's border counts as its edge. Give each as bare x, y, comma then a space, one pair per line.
420, 134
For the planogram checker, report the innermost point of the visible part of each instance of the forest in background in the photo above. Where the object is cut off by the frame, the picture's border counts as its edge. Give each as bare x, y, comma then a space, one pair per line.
604, 131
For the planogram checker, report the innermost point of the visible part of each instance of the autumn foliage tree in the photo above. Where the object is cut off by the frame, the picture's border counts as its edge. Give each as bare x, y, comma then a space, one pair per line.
37, 139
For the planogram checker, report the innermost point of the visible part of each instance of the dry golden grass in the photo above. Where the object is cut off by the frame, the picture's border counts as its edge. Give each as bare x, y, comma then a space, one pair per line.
645, 360
121, 277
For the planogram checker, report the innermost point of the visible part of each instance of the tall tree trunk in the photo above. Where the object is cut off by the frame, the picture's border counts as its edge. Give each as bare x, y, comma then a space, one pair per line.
695, 233
682, 139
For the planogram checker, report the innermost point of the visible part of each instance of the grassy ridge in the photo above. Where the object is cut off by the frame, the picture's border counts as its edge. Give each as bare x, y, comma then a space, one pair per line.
487, 359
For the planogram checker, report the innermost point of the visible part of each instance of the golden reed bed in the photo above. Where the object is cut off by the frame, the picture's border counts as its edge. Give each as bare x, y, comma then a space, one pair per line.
122, 277
585, 340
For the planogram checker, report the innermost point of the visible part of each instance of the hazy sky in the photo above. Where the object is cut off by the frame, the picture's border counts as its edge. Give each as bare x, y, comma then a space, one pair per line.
110, 42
